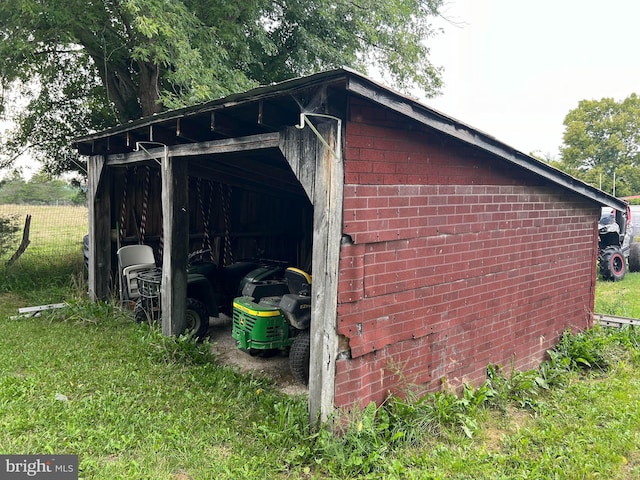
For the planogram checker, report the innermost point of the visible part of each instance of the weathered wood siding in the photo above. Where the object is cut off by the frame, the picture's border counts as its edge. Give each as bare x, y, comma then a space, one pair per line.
458, 261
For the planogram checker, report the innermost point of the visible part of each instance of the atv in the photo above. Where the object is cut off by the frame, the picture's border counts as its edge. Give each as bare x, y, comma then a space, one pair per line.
210, 289
614, 241
275, 315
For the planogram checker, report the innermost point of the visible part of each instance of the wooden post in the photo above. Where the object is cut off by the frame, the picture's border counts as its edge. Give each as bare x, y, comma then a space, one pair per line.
175, 224
321, 172
23, 244
99, 204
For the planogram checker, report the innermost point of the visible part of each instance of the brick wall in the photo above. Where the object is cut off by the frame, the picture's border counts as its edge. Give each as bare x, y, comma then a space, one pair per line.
459, 260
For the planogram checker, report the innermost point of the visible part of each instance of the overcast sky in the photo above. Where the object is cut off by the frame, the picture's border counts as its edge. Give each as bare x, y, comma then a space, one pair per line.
515, 68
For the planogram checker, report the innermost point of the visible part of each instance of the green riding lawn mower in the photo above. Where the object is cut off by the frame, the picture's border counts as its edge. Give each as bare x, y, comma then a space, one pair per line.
275, 315
270, 305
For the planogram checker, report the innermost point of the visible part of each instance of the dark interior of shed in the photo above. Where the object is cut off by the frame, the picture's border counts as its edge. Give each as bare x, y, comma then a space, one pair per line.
241, 206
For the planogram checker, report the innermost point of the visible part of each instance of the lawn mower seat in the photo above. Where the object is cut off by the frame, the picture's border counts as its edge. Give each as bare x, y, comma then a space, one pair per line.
299, 281
132, 260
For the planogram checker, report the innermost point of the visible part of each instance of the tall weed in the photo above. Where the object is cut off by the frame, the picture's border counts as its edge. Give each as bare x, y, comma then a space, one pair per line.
596, 349
184, 349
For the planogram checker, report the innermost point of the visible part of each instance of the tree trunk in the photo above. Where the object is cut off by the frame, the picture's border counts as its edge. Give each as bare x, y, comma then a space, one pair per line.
148, 89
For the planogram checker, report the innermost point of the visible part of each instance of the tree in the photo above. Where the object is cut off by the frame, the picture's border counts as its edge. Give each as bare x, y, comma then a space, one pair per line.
84, 65
602, 142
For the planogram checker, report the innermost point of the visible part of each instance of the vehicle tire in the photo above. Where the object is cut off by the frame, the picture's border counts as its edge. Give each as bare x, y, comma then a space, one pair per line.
612, 264
634, 257
299, 356
197, 318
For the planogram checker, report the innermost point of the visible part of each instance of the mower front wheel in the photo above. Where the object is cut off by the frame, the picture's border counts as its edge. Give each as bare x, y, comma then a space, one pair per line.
299, 356
197, 318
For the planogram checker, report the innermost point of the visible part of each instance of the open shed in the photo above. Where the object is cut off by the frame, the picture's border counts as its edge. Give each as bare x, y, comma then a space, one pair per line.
435, 249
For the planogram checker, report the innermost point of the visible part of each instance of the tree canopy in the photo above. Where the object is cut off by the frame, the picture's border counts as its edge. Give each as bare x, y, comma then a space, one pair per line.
602, 142
83, 65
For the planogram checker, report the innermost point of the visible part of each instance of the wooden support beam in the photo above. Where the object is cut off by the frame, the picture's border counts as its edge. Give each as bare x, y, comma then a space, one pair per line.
175, 221
321, 173
230, 145
99, 192
298, 147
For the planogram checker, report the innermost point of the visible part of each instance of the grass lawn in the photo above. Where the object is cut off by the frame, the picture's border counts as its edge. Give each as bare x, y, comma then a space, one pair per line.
619, 298
132, 404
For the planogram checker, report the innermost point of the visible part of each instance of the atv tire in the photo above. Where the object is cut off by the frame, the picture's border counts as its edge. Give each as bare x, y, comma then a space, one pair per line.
299, 356
197, 318
613, 266
634, 257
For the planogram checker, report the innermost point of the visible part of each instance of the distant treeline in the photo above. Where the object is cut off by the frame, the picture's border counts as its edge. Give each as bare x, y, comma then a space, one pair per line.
40, 190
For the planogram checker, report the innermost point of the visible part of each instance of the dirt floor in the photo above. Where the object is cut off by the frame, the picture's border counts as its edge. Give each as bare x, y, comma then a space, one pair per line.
275, 367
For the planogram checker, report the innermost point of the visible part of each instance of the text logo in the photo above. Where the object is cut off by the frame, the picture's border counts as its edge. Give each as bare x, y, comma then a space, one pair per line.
43, 467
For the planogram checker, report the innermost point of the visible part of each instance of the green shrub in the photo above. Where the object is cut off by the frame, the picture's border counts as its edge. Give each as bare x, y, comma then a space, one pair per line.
8, 230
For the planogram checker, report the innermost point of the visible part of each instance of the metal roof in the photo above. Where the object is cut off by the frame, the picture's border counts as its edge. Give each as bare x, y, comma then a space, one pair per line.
267, 109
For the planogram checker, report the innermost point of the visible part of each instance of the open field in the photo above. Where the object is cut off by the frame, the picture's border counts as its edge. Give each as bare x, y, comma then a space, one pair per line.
55, 230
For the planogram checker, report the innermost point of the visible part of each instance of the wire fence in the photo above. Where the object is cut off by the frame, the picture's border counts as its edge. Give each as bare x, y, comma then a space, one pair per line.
55, 233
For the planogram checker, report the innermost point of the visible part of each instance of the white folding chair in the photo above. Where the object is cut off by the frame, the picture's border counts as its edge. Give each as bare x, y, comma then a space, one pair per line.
132, 260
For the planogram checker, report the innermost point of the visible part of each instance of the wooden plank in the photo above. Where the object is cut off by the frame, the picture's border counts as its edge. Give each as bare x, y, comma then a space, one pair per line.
298, 147
175, 218
228, 145
614, 321
41, 308
30, 312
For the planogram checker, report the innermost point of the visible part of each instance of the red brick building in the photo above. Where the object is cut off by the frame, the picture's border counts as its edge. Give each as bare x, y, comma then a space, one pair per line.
436, 249
460, 259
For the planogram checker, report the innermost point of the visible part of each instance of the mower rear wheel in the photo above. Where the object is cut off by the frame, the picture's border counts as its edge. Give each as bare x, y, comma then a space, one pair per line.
634, 257
299, 356
196, 317
612, 264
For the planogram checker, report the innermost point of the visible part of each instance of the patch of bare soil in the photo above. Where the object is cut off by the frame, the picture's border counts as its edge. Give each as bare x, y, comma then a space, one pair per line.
500, 424
275, 367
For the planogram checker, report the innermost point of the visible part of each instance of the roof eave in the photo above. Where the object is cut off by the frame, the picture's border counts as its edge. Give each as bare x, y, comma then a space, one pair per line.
361, 85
